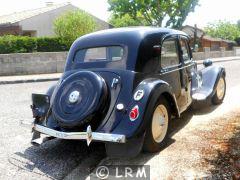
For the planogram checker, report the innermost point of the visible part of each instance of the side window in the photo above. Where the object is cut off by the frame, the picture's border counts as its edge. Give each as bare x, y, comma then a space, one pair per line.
169, 53
185, 50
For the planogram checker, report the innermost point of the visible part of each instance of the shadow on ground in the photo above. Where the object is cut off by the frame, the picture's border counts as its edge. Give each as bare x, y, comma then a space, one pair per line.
56, 158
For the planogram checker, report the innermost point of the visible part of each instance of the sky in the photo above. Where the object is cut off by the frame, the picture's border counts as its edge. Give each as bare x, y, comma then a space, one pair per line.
208, 11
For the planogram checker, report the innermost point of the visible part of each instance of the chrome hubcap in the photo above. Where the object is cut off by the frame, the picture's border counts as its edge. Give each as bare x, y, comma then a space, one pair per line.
74, 96
220, 88
160, 123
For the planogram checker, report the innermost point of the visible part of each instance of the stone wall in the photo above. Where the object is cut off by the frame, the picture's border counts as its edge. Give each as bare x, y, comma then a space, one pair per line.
53, 62
32, 63
216, 54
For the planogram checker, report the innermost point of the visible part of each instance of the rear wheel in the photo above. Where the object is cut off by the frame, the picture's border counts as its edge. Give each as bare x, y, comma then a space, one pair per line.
157, 131
220, 91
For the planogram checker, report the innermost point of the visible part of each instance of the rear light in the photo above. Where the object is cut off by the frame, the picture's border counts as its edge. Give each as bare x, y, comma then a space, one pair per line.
134, 113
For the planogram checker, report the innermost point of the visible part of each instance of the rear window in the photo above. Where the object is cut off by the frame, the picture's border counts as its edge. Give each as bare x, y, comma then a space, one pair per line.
97, 54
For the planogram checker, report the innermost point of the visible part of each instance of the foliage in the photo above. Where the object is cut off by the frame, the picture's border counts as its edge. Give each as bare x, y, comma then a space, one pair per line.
154, 12
24, 44
238, 23
16, 44
48, 44
73, 24
238, 41
125, 21
224, 30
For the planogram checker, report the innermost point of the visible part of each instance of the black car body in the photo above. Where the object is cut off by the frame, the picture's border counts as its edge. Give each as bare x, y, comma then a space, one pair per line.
119, 84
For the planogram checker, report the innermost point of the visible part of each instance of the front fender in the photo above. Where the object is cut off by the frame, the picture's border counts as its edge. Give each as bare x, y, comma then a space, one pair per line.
210, 78
153, 89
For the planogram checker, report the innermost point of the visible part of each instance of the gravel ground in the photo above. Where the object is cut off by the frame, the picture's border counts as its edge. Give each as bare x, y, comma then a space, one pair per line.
222, 151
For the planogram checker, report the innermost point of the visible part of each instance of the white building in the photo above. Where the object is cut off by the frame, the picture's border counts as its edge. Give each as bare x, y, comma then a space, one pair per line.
39, 22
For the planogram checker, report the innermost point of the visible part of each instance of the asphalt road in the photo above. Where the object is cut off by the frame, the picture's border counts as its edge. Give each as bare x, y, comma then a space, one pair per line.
56, 159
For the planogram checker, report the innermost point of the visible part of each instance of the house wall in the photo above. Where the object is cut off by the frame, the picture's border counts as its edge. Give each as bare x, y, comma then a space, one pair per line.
43, 24
14, 29
214, 45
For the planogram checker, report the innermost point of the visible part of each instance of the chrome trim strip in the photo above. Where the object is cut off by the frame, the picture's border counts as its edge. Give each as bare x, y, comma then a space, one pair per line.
117, 138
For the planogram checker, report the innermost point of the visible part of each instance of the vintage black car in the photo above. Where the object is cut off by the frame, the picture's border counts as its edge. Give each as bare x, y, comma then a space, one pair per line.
122, 87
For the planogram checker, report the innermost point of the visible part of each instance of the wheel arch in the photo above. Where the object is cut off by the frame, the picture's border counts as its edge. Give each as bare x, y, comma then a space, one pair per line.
136, 130
172, 103
153, 89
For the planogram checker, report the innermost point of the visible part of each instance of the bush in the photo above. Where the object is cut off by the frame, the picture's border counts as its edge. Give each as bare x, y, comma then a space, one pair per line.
238, 41
74, 24
46, 44
23, 44
17, 44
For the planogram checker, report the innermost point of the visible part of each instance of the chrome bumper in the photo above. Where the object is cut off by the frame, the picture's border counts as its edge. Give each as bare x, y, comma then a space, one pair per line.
88, 135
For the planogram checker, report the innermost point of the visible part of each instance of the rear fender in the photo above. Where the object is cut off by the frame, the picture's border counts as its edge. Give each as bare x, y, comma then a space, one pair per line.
50, 90
152, 89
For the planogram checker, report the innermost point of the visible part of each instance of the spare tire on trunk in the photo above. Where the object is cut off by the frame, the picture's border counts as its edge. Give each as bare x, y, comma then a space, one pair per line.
79, 99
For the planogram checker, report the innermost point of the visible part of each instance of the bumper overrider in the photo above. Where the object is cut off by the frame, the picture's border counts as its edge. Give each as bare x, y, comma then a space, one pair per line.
88, 135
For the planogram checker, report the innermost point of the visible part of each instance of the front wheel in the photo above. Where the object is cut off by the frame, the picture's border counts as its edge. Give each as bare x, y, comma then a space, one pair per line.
220, 91
157, 131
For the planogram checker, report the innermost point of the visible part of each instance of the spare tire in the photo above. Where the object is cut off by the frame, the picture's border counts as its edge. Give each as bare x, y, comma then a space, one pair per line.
79, 99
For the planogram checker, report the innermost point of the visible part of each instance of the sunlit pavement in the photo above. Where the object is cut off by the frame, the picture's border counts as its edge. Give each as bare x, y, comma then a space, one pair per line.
58, 159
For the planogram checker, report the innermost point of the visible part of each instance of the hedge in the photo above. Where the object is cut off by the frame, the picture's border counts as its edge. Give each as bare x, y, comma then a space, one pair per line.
24, 44
238, 41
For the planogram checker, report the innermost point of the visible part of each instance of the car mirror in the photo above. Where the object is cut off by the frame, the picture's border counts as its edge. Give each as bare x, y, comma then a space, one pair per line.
207, 62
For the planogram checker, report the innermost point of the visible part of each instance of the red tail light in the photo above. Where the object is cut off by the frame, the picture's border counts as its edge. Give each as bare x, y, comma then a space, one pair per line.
133, 115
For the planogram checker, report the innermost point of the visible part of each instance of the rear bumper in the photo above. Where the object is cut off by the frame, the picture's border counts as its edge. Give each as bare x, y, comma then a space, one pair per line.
88, 135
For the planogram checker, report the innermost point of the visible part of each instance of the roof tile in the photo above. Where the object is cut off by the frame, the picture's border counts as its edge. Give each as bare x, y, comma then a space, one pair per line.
19, 16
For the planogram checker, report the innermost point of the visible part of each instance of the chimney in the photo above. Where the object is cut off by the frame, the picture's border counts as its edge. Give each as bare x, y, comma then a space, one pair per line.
50, 3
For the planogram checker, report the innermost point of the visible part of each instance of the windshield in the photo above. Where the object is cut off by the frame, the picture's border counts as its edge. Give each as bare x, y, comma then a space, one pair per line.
96, 54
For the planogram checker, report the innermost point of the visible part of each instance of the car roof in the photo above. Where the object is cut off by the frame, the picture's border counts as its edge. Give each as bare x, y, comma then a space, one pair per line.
141, 32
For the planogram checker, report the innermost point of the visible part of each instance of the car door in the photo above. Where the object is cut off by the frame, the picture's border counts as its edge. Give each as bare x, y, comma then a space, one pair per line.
170, 65
186, 69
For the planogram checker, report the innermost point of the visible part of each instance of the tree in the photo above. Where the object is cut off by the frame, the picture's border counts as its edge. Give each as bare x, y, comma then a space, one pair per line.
73, 24
154, 12
238, 23
125, 21
223, 29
